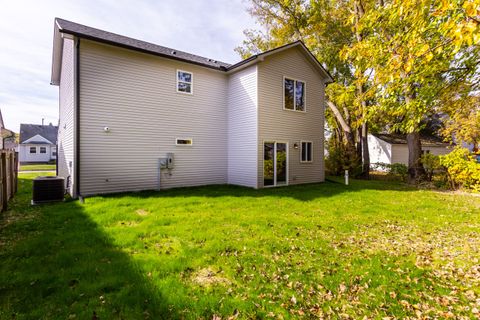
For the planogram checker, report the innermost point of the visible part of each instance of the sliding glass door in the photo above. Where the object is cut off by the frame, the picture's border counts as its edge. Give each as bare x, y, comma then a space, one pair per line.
275, 164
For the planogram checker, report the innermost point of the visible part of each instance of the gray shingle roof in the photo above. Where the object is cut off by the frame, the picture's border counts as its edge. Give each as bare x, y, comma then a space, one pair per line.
130, 43
27, 131
85, 32
395, 138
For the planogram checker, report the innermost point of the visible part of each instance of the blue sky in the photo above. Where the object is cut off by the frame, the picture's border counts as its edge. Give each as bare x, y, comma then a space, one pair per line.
210, 28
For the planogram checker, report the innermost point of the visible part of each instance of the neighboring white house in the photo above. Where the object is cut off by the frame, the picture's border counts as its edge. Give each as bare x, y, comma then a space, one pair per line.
128, 105
7, 137
37, 143
392, 148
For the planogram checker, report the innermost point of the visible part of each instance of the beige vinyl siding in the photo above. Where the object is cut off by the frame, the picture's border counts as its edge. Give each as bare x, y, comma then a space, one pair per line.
242, 127
66, 126
400, 152
134, 94
277, 124
438, 150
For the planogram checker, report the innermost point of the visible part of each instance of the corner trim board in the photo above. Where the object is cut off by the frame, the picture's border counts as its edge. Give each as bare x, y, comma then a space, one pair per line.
76, 189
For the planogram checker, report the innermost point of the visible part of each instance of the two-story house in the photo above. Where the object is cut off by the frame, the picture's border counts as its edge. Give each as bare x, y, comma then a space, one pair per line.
138, 116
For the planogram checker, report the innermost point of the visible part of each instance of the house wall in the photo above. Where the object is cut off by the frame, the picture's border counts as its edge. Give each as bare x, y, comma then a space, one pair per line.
438, 150
66, 127
24, 154
379, 150
400, 152
242, 127
277, 124
134, 94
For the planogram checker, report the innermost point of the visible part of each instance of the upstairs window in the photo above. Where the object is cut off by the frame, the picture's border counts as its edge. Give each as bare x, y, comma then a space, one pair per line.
33, 149
306, 151
294, 94
184, 82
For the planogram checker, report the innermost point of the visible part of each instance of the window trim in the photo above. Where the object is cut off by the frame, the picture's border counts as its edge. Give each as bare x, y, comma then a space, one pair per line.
295, 94
178, 81
183, 144
301, 151
30, 150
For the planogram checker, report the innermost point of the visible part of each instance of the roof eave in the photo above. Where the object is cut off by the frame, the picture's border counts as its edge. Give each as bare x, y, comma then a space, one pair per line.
56, 55
121, 45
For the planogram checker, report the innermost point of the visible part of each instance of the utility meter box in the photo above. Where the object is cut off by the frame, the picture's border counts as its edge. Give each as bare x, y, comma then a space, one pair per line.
162, 163
170, 160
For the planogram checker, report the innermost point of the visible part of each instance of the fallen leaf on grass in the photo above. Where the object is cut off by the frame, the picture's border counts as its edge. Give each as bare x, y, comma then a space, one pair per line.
208, 277
142, 212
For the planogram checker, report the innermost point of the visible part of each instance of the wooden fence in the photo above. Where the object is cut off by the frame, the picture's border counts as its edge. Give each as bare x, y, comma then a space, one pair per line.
8, 177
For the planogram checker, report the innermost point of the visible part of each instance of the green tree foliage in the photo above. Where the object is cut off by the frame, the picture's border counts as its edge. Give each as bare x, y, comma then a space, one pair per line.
325, 28
463, 122
396, 62
417, 49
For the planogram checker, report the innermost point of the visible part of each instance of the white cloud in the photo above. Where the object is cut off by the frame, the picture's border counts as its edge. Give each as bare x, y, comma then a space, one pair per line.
210, 28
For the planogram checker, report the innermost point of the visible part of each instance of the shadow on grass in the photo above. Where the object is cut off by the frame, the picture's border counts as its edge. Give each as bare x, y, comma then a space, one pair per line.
58, 264
303, 192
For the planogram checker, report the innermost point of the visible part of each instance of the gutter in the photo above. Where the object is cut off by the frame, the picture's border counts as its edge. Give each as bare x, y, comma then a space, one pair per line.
56, 159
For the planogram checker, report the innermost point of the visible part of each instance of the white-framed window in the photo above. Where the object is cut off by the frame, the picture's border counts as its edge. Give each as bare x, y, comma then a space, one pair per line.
33, 149
183, 141
294, 94
184, 82
43, 149
306, 151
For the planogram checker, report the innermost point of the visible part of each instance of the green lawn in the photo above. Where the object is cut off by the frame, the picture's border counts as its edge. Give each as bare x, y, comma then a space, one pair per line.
375, 249
37, 167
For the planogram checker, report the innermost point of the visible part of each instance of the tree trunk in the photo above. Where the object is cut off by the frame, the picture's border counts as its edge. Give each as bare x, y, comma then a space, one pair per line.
365, 153
416, 172
350, 139
358, 143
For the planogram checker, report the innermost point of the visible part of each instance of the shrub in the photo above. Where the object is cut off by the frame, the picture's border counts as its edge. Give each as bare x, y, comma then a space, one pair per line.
340, 159
380, 166
462, 169
394, 170
399, 169
431, 164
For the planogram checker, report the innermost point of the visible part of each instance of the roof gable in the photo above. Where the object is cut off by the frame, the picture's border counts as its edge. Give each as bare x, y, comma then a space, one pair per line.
30, 131
37, 139
297, 44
